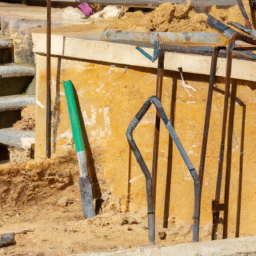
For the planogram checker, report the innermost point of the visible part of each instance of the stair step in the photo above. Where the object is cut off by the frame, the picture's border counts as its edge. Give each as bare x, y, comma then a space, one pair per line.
14, 70
17, 138
15, 102
5, 43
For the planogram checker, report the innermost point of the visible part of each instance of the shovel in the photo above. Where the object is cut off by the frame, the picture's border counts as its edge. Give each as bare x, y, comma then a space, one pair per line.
84, 179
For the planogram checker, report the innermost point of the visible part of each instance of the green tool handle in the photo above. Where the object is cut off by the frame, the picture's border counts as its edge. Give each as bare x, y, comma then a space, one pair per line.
73, 115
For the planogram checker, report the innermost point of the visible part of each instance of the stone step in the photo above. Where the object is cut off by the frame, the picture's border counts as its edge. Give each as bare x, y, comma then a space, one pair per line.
15, 102
17, 138
5, 43
17, 70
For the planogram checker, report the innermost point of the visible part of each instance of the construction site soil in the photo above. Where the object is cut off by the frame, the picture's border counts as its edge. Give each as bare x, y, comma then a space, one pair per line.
177, 18
40, 199
40, 204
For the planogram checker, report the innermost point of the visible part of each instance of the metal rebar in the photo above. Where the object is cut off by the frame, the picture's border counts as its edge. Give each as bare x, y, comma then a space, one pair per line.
48, 82
246, 18
160, 73
208, 113
253, 12
170, 158
223, 134
207, 118
239, 198
229, 158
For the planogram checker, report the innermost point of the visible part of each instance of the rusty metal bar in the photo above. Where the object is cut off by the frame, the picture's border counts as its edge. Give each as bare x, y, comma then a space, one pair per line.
160, 73
207, 118
146, 172
48, 82
229, 158
253, 12
207, 51
246, 18
223, 134
208, 113
239, 199
170, 157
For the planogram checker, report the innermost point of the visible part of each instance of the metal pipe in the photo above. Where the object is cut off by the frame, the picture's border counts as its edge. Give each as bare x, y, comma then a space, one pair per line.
146, 172
48, 82
223, 135
143, 166
160, 73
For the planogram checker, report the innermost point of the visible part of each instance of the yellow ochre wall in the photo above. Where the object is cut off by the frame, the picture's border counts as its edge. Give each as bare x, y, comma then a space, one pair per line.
110, 96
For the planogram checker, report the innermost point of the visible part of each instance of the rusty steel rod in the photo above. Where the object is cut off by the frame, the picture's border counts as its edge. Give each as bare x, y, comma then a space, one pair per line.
229, 158
253, 12
207, 118
216, 202
208, 113
170, 157
160, 73
246, 18
239, 198
48, 82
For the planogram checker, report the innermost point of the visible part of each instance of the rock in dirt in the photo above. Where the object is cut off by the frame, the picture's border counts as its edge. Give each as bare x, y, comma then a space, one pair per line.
7, 239
162, 235
64, 201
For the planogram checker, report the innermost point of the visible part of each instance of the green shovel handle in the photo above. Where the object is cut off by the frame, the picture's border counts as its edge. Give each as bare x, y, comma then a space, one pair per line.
73, 115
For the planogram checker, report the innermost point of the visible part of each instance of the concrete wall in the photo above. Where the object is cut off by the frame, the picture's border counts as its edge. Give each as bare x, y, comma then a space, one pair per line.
110, 96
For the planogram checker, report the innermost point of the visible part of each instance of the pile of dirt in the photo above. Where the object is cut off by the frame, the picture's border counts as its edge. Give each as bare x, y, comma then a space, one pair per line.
28, 119
175, 18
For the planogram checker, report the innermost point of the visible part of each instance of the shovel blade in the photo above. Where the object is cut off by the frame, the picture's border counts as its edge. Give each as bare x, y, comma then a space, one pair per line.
86, 197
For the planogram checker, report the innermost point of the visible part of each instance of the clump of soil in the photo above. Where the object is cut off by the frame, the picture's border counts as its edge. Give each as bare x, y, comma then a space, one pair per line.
175, 18
28, 119
163, 16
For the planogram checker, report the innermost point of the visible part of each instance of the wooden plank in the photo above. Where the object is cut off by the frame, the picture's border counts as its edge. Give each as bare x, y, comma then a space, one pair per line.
125, 54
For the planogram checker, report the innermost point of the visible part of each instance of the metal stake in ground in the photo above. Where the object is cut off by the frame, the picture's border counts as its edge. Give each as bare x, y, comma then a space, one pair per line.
216, 206
48, 82
84, 180
160, 73
207, 118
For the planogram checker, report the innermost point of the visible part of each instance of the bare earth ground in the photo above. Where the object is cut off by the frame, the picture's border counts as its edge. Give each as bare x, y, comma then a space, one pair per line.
40, 203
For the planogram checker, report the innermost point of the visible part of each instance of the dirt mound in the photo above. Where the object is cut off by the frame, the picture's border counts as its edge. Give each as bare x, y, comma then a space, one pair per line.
175, 18
28, 122
31, 180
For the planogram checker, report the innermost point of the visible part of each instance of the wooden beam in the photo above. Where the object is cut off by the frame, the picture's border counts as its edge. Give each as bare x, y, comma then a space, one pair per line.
117, 53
